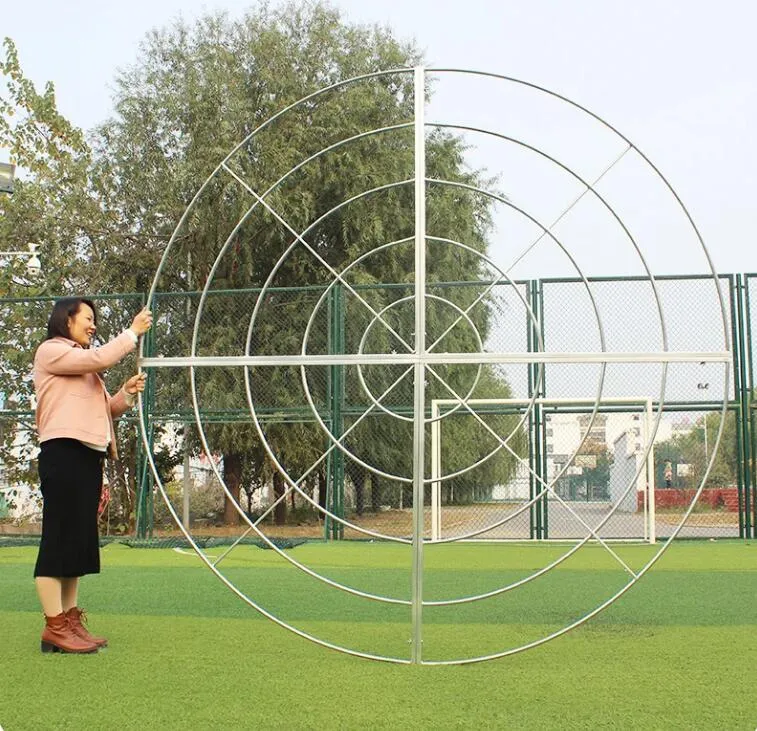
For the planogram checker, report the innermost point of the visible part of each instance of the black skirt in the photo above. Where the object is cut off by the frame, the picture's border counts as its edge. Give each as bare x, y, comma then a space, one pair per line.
71, 477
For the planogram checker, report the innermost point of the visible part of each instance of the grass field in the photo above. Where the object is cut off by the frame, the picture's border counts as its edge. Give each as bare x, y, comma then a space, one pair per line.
678, 651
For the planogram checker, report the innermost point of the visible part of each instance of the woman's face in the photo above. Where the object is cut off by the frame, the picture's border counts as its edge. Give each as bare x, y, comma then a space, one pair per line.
81, 327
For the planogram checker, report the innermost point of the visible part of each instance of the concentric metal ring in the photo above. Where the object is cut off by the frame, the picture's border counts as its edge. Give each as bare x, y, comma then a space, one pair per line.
422, 360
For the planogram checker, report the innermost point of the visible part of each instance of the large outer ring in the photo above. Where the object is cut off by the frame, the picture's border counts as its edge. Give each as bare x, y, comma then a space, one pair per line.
727, 374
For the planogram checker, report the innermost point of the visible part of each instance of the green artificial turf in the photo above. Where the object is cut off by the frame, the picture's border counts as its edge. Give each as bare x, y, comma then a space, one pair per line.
677, 651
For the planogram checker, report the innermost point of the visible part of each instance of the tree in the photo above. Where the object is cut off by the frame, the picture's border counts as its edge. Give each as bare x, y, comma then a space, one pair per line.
55, 205
52, 157
194, 93
688, 447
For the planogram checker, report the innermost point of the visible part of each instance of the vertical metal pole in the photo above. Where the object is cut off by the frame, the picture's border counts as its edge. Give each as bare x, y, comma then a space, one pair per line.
537, 432
651, 514
339, 402
538, 486
329, 499
140, 476
744, 421
531, 434
340, 396
144, 519
739, 472
436, 486
543, 472
335, 529
753, 490
749, 351
419, 391
150, 390
750, 418
538, 308
739, 415
186, 481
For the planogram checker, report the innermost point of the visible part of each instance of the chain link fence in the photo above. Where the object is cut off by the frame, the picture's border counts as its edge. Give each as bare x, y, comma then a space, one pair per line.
24, 323
517, 450
667, 416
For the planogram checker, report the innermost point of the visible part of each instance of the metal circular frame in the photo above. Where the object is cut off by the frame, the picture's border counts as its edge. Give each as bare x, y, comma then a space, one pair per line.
361, 348
421, 360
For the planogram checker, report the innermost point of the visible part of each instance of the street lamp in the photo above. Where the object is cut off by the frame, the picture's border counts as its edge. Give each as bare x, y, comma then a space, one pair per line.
33, 265
7, 173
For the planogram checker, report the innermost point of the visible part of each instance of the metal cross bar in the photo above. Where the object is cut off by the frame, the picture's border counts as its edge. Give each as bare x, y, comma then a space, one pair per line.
669, 356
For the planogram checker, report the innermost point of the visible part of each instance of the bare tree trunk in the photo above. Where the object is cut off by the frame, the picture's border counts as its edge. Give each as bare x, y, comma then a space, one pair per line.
280, 511
357, 475
375, 493
248, 498
322, 486
232, 475
129, 496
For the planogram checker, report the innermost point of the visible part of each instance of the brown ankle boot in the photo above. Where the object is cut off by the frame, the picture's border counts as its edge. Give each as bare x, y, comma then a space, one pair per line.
59, 636
76, 618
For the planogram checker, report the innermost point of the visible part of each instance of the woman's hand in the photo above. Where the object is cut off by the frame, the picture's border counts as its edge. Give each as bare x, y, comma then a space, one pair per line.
142, 322
136, 384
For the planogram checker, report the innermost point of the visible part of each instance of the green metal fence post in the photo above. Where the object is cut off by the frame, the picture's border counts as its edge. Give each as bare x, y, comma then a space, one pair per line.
736, 341
744, 421
336, 345
536, 430
750, 390
145, 504
532, 436
539, 505
541, 390
328, 501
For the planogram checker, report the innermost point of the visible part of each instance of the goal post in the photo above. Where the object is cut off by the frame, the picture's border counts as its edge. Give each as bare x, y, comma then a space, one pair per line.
644, 473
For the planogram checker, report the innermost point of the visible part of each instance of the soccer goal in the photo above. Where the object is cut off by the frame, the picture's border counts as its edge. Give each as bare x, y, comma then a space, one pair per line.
564, 475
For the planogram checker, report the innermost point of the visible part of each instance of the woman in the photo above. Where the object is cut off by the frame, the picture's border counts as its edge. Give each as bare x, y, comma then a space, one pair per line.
75, 416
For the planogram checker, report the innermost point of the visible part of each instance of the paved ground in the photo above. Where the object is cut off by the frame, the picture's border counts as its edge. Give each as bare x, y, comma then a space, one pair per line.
578, 520
461, 521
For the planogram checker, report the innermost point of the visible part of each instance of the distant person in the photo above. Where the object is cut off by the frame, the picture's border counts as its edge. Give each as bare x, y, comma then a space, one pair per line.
668, 473
75, 416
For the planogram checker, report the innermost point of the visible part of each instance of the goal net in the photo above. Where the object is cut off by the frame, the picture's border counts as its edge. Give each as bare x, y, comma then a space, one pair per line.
547, 469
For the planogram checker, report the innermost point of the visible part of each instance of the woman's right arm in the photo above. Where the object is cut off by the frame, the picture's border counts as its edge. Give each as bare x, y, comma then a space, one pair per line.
62, 359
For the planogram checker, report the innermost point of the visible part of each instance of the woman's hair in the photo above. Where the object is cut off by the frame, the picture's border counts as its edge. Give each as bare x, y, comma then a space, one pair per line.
57, 325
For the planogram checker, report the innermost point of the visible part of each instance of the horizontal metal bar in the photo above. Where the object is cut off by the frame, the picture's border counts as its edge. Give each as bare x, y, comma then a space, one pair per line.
637, 278
306, 414
435, 358
558, 401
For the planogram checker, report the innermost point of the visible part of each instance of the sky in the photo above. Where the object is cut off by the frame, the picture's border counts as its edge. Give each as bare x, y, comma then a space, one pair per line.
676, 78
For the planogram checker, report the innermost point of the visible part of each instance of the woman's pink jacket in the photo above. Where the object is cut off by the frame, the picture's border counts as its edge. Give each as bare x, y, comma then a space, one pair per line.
72, 400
